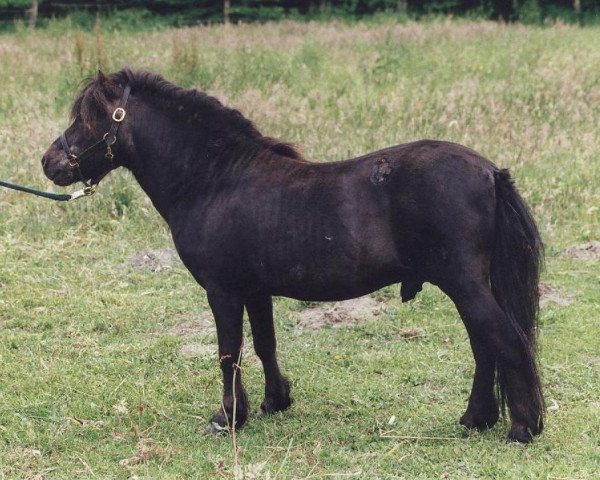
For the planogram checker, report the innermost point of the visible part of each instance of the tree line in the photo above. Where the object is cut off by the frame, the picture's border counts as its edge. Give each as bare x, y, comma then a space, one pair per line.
193, 11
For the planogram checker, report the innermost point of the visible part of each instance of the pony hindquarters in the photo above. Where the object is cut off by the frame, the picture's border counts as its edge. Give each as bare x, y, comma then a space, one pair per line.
496, 295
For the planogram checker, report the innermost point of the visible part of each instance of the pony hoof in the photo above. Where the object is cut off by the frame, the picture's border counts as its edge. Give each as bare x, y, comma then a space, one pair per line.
216, 430
218, 425
278, 400
263, 413
270, 406
479, 422
520, 435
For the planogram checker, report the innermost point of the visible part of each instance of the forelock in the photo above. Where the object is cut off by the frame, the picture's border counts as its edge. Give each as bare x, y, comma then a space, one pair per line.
94, 100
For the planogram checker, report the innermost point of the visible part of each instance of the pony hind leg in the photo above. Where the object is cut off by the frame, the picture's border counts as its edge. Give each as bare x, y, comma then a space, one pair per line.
277, 388
493, 336
479, 312
482, 410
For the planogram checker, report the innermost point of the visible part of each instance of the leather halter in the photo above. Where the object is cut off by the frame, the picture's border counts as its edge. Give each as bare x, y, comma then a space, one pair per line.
108, 139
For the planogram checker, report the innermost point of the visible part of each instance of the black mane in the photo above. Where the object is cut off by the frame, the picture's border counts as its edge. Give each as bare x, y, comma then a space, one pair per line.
100, 92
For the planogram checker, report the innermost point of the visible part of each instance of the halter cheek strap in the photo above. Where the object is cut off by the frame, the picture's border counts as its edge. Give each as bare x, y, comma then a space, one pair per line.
108, 139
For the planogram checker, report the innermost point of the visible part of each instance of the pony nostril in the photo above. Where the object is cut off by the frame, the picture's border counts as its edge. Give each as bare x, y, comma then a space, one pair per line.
44, 161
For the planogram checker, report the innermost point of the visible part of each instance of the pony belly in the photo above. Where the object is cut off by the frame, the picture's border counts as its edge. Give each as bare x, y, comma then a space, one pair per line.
319, 288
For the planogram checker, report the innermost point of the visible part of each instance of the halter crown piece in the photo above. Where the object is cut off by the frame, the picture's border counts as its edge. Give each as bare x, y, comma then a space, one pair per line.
107, 140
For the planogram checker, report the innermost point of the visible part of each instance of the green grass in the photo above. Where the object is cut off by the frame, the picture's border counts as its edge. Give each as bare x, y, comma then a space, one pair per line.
91, 370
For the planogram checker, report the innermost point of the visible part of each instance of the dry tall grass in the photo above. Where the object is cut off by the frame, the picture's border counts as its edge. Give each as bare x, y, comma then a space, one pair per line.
526, 98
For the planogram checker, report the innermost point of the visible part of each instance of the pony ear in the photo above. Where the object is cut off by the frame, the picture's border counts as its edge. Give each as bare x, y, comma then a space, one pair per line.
95, 100
100, 77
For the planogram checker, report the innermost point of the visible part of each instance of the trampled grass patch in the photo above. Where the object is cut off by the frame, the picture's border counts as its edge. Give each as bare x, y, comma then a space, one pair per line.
98, 376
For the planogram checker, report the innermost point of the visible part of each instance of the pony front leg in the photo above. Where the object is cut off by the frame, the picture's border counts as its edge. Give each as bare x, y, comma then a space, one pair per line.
228, 311
277, 388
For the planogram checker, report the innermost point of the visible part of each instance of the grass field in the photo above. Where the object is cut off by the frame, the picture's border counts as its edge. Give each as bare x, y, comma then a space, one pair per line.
108, 370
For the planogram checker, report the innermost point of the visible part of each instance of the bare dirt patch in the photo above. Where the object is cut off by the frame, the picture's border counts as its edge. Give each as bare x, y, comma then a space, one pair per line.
584, 251
550, 294
593, 361
146, 449
154, 260
410, 333
338, 314
193, 332
202, 326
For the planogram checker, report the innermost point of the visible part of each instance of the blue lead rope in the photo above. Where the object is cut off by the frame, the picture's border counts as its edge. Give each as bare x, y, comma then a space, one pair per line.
59, 197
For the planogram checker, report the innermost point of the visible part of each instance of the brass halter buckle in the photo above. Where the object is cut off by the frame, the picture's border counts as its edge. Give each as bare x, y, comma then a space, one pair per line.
119, 114
84, 192
73, 160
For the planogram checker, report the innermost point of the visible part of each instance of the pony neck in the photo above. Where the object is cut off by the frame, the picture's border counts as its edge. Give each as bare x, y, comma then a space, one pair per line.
176, 161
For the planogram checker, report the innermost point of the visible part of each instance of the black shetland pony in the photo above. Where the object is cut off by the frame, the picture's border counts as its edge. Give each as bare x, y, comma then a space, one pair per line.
251, 219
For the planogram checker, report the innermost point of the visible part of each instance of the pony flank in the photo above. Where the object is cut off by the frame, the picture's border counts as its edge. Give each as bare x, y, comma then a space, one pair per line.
252, 219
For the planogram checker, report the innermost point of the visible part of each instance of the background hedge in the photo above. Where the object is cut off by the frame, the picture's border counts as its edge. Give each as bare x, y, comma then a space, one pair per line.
186, 12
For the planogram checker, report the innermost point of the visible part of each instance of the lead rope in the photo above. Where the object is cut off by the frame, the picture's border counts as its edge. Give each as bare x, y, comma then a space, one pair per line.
59, 197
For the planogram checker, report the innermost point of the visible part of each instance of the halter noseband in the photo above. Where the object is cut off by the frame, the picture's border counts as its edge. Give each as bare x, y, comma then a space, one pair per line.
108, 139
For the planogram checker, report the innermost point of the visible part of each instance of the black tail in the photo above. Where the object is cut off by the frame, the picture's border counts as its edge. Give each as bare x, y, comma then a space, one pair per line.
515, 271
